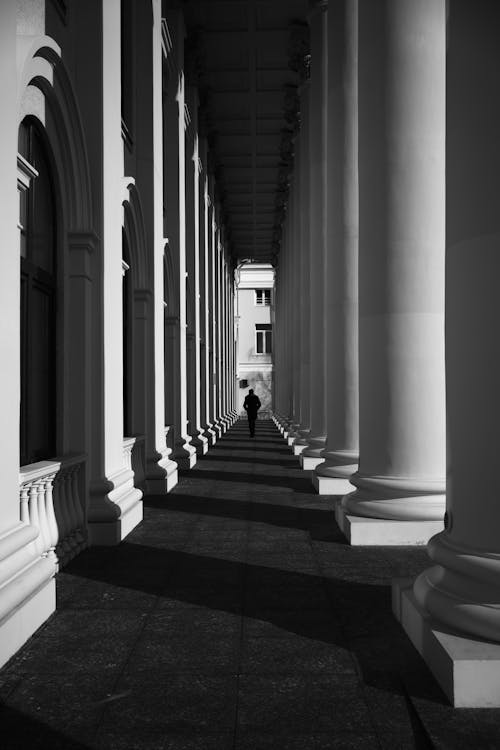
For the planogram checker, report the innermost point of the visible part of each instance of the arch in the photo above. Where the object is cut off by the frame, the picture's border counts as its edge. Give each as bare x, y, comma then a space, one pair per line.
135, 231
43, 68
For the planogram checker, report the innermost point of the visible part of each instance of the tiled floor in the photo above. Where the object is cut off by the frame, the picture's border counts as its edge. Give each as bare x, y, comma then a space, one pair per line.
235, 616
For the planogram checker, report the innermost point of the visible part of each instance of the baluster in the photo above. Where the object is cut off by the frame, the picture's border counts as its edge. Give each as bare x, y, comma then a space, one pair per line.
34, 519
50, 516
23, 499
42, 515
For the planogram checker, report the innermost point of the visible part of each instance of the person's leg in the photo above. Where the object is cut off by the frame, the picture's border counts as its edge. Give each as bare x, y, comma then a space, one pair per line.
251, 424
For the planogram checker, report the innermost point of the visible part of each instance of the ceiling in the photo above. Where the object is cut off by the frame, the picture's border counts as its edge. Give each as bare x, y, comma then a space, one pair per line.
251, 100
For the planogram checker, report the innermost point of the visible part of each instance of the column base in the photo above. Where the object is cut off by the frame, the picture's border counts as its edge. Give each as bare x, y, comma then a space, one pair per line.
185, 455
208, 432
200, 443
161, 474
27, 589
331, 485
115, 508
217, 429
467, 669
298, 448
361, 531
309, 463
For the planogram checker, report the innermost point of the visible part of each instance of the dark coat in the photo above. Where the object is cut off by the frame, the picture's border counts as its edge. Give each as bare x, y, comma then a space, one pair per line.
252, 405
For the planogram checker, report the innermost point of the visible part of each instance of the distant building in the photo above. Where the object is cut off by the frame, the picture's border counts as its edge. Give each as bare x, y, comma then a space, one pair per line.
254, 332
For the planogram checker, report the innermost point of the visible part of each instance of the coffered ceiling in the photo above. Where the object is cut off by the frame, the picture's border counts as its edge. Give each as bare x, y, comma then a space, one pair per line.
246, 80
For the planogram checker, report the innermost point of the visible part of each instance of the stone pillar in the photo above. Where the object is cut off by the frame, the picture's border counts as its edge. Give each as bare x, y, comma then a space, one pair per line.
341, 302
316, 439
214, 255
184, 452
194, 229
400, 482
115, 504
161, 471
208, 432
295, 309
453, 614
300, 444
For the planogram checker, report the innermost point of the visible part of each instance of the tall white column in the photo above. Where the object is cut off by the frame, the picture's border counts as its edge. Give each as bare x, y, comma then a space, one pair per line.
115, 504
193, 229
208, 432
401, 475
214, 256
161, 471
316, 439
341, 300
461, 593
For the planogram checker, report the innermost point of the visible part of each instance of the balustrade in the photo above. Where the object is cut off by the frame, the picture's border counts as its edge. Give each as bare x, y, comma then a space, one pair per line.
50, 500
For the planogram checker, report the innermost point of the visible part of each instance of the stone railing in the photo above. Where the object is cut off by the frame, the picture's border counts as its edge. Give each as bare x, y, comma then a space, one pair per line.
51, 501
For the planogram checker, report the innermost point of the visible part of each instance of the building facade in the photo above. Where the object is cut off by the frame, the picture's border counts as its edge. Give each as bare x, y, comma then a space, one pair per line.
116, 285
254, 315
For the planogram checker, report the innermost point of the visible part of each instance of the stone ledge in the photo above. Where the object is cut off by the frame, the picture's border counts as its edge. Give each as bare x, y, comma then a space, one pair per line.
331, 485
467, 669
309, 463
360, 530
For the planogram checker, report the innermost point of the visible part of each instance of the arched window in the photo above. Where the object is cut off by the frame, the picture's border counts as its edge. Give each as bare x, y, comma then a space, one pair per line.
37, 225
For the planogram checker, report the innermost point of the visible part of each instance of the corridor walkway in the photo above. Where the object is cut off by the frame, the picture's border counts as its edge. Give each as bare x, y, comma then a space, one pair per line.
235, 616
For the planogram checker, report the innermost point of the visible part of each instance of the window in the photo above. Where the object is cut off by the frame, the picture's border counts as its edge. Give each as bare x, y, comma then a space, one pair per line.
263, 338
263, 297
37, 230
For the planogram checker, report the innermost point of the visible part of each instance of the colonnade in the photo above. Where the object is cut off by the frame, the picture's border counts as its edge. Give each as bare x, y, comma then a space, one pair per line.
410, 107
137, 340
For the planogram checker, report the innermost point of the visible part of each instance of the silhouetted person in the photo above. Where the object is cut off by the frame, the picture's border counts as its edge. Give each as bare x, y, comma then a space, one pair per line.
251, 404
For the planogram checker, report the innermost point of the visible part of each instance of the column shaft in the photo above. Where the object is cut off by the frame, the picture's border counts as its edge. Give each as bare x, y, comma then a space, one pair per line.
401, 263
316, 439
341, 303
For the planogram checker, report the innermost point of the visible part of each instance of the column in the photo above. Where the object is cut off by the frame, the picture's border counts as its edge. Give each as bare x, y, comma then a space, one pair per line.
161, 471
184, 452
208, 432
300, 443
214, 256
316, 439
401, 479
193, 229
341, 301
453, 613
115, 504
295, 311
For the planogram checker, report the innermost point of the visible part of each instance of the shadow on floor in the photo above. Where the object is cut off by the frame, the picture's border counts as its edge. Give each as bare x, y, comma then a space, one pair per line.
296, 484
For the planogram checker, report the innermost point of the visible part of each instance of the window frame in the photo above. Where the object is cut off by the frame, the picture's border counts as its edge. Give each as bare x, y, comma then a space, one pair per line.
264, 332
265, 293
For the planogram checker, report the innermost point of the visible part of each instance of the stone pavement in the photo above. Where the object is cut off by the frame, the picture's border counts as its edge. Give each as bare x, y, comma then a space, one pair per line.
235, 616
